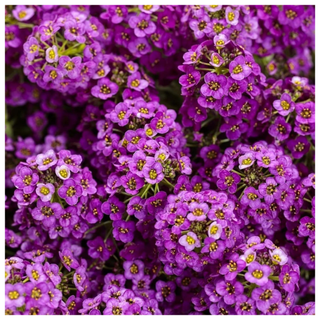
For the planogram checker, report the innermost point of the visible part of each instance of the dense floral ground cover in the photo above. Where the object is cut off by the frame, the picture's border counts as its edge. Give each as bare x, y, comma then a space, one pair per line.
160, 160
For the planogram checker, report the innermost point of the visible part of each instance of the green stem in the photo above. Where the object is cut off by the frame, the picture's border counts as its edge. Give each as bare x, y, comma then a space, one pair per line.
241, 194
145, 192
23, 25
205, 69
204, 123
239, 173
167, 182
97, 226
288, 117
108, 234
242, 186
205, 63
305, 199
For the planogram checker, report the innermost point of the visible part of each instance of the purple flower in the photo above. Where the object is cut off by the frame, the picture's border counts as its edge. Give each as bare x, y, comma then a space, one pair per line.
71, 161
198, 211
229, 290
291, 16
142, 25
121, 114
236, 88
52, 272
45, 191
123, 230
14, 295
265, 296
215, 229
52, 54
70, 67
232, 16
265, 159
52, 74
115, 307
152, 171
307, 227
251, 197
269, 190
63, 172
25, 179
298, 147
288, 278
216, 60
258, 273
133, 270
55, 296
74, 31
200, 27
70, 191
249, 256
97, 249
285, 105
246, 160
114, 208
220, 41
31, 48
280, 129
12, 36
238, 68
231, 270
139, 47
136, 83
69, 217
48, 29
233, 128
35, 273
12, 240
190, 241
245, 305
104, 89
165, 291
305, 112
46, 160
214, 85
191, 77
68, 259
136, 207
278, 256
38, 292
94, 212
85, 180
22, 13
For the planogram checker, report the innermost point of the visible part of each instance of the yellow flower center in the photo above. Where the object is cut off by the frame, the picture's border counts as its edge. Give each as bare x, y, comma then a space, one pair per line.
258, 274
153, 174
231, 16
13, 295
45, 190
63, 173
285, 105
190, 240
237, 69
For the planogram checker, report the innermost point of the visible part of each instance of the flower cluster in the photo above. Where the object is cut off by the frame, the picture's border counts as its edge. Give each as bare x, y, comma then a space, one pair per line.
159, 160
289, 114
54, 193
223, 77
263, 30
